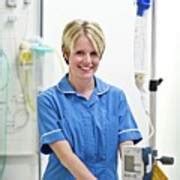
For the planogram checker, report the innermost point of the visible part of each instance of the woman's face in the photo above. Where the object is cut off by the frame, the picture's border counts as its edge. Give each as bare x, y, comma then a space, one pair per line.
83, 59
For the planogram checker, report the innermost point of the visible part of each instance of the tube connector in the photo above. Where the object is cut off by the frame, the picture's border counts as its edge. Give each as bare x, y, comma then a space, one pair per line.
143, 5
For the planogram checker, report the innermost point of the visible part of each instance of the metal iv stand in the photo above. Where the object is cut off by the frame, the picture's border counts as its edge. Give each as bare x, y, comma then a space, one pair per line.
153, 87
154, 83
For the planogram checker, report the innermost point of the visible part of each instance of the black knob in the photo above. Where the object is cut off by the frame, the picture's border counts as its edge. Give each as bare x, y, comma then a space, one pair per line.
166, 160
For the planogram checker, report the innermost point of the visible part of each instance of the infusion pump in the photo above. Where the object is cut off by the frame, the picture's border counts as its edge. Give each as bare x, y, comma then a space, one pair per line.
141, 164
136, 163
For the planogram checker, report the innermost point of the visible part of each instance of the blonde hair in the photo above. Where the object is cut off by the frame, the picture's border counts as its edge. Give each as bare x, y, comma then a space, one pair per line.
74, 29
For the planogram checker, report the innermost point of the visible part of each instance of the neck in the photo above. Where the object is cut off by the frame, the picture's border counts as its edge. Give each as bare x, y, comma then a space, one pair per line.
84, 87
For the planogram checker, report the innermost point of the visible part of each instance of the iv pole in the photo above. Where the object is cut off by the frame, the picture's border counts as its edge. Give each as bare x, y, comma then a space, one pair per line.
153, 85
153, 73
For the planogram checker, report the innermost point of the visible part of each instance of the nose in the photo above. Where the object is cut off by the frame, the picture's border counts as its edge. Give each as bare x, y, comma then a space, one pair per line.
87, 58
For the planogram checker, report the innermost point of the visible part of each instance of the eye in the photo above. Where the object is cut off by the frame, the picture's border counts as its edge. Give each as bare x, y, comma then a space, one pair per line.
94, 54
80, 53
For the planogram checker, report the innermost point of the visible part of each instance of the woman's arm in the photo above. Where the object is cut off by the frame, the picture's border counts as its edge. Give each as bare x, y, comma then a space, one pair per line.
71, 161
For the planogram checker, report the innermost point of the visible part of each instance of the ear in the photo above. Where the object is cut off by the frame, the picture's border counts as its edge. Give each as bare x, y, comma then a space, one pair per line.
67, 62
65, 55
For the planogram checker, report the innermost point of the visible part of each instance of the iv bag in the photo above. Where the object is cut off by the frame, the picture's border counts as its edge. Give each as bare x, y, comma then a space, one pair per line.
140, 45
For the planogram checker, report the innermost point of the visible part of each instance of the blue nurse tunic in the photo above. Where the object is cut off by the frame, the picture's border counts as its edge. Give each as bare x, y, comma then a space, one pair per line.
94, 127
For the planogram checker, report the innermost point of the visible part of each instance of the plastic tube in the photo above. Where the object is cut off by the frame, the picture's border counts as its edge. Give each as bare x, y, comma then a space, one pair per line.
4, 91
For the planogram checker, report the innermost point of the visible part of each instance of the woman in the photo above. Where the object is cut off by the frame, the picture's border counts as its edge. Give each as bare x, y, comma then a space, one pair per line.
83, 121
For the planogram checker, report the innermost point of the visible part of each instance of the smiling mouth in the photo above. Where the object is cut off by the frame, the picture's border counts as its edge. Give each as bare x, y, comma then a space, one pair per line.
85, 68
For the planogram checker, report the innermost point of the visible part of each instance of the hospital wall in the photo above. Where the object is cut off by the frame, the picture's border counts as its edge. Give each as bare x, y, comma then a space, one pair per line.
168, 95
117, 18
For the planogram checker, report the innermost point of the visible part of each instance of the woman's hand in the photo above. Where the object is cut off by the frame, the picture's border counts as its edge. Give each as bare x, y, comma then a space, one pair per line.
87, 178
71, 161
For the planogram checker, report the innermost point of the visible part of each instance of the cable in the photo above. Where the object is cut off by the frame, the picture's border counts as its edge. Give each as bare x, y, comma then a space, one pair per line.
140, 81
20, 114
3, 59
24, 72
150, 125
24, 81
4, 109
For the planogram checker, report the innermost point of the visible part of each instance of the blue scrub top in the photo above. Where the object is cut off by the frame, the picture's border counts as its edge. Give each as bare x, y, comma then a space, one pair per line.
94, 127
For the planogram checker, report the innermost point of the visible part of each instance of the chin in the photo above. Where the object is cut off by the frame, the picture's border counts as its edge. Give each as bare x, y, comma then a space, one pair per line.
87, 76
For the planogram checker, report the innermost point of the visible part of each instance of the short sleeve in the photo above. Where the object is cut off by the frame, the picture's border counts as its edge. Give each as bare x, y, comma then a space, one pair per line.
128, 129
49, 123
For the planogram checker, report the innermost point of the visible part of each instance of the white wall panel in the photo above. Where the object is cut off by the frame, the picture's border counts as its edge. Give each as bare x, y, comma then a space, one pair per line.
168, 96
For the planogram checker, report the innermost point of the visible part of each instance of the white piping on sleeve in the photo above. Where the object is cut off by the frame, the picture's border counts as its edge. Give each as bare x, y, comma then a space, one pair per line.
127, 130
50, 132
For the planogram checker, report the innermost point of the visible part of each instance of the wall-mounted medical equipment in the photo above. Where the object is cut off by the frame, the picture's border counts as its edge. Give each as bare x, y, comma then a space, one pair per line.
18, 125
21, 80
11, 3
40, 52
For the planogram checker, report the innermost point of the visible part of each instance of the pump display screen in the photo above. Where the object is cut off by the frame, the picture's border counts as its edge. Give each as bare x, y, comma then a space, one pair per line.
129, 164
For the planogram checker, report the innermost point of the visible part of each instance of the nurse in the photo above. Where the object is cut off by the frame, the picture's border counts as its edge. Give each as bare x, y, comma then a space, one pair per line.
83, 121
